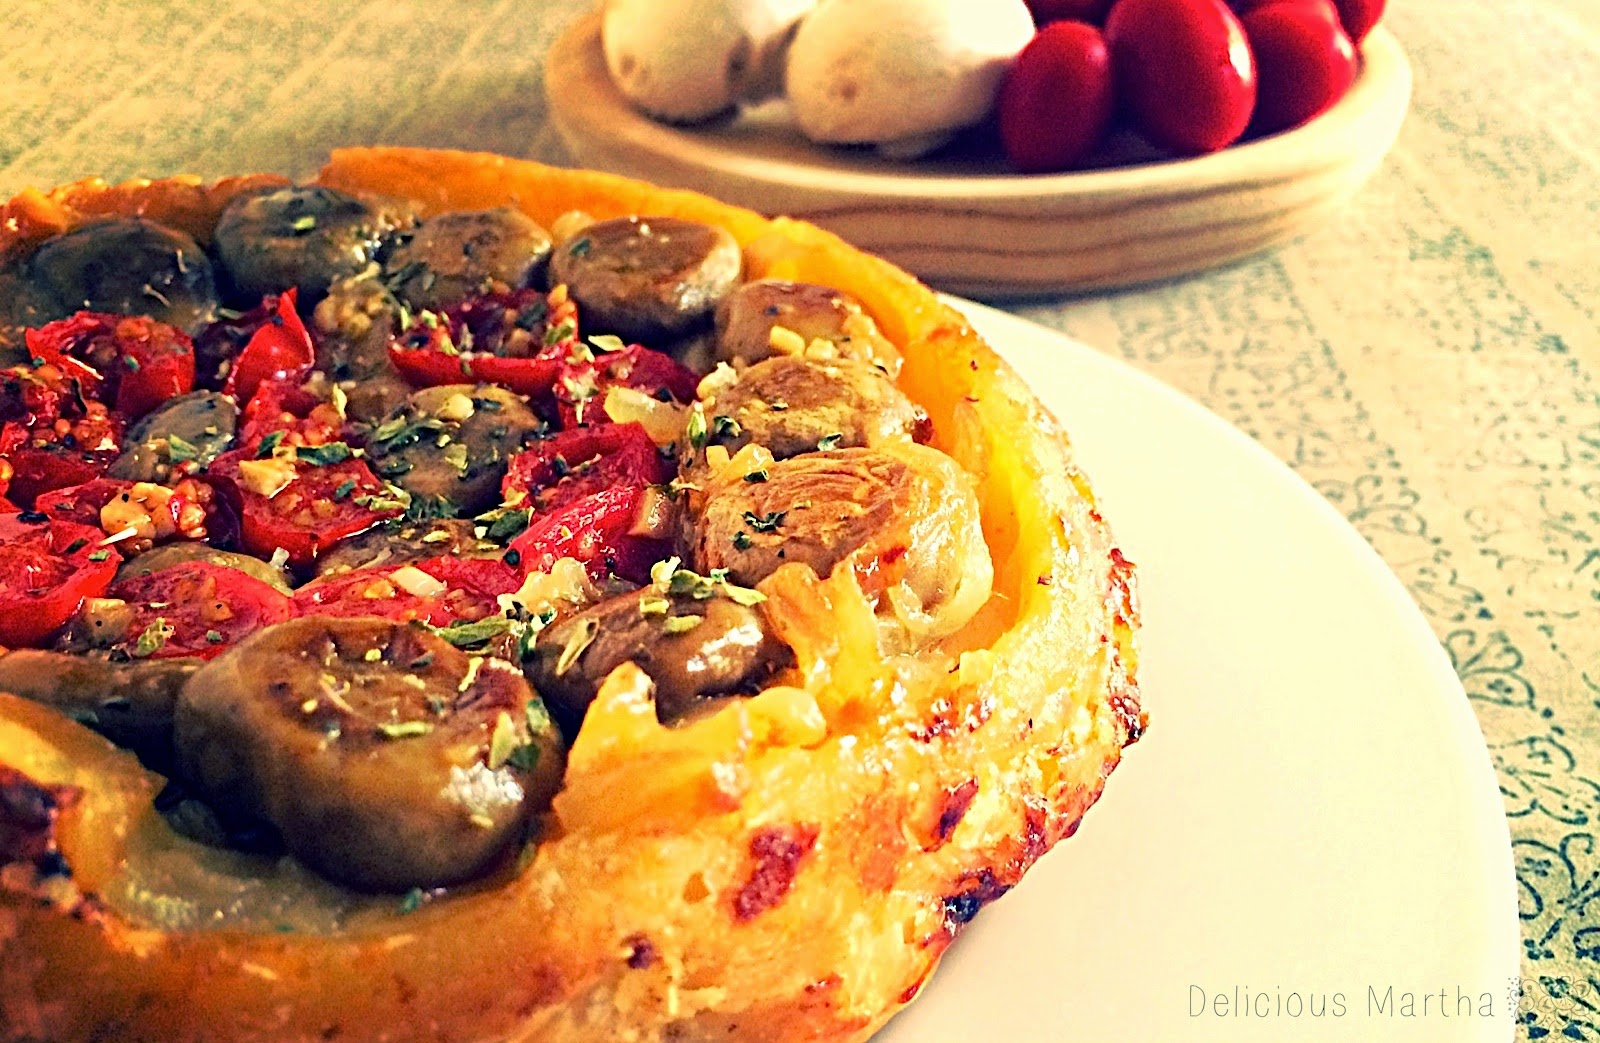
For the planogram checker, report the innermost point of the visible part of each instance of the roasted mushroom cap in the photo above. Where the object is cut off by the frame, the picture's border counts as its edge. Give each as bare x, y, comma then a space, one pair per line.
302, 237
190, 429
649, 279
127, 266
791, 405
693, 649
457, 255
449, 445
903, 515
386, 757
403, 542
808, 313
170, 554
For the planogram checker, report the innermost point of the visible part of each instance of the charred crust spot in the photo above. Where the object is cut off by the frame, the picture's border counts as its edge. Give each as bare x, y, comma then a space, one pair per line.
821, 985
953, 808
775, 855
28, 815
961, 907
641, 952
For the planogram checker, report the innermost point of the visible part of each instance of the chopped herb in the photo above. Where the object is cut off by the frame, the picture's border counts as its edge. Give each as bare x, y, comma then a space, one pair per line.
743, 595
558, 466
466, 635
394, 468
213, 637
404, 729
372, 655
583, 635
580, 247
510, 525
654, 606
556, 334
344, 488
181, 451
269, 444
524, 757
303, 224
758, 475
538, 717
741, 540
768, 522
388, 429
414, 900
502, 741
606, 342
695, 428
150, 641
99, 555
75, 546
724, 425
832, 441
427, 508
681, 624
455, 454
323, 455
436, 536
422, 662
131, 362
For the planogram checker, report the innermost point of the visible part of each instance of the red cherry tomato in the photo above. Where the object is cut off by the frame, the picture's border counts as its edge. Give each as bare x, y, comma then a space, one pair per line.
595, 530
1359, 17
129, 361
471, 586
321, 505
1304, 62
47, 568
196, 609
1056, 103
282, 404
39, 469
1183, 71
279, 348
1047, 11
553, 472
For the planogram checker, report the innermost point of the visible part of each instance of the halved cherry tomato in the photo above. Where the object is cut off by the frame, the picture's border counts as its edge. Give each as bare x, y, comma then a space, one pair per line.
129, 361
1304, 62
282, 404
498, 338
553, 472
1056, 102
471, 586
595, 530
39, 469
1047, 11
1184, 72
47, 568
196, 609
280, 348
581, 389
81, 503
327, 497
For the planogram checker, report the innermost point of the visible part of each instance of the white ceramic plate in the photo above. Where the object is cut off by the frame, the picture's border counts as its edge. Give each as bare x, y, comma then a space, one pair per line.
971, 225
1312, 812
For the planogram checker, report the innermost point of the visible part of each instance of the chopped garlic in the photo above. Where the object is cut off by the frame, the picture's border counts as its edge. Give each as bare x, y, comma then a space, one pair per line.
267, 477
569, 224
566, 581
662, 421
455, 409
786, 341
717, 381
413, 580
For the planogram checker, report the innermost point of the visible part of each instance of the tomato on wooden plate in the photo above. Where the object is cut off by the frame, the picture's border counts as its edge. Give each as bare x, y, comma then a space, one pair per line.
1183, 71
555, 471
47, 568
302, 502
1056, 103
196, 609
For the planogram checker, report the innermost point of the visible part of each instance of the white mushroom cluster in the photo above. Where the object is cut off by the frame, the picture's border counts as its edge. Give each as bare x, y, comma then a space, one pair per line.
903, 75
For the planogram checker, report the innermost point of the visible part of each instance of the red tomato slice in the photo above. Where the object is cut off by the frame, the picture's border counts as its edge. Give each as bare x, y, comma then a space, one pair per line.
322, 503
196, 609
282, 404
471, 587
47, 568
130, 361
497, 338
81, 503
280, 348
555, 471
581, 389
594, 529
1184, 72
41, 469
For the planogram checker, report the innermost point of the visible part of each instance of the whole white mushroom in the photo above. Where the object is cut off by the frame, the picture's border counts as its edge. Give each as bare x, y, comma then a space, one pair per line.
687, 60
901, 74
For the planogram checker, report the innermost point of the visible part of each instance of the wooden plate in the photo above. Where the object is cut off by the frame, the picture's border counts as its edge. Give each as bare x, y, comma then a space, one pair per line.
967, 225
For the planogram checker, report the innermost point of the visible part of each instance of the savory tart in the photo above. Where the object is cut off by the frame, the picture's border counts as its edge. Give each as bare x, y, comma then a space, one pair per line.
461, 599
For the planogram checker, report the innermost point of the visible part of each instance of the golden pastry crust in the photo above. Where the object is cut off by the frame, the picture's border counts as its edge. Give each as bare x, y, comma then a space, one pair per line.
789, 868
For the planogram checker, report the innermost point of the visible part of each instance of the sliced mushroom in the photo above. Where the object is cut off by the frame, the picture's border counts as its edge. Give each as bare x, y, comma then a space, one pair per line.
905, 516
461, 254
386, 757
747, 316
128, 266
401, 542
649, 279
693, 649
190, 429
449, 445
793, 405
130, 703
170, 554
305, 237
355, 323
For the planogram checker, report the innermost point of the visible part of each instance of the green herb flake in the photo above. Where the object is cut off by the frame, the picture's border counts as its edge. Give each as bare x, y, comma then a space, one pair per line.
524, 757
581, 247
455, 454
303, 224
269, 444
99, 555
131, 363
695, 428
583, 635
344, 488
213, 637
768, 522
742, 595
723, 425
180, 450
323, 455
827, 442
422, 662
652, 605
75, 546
510, 525
415, 899
152, 638
468, 635
605, 342
681, 624
404, 729
556, 334
502, 741
758, 475
741, 540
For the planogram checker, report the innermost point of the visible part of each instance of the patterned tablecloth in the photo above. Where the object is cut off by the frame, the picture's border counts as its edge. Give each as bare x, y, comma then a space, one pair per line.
1429, 361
